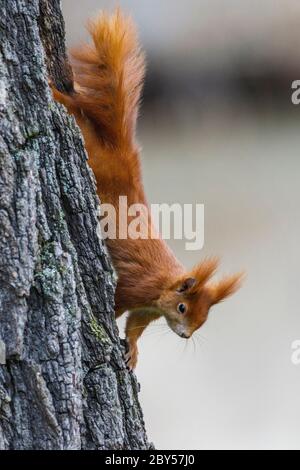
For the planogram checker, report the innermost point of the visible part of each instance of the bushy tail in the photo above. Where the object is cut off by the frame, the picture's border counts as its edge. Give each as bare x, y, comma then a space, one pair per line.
109, 76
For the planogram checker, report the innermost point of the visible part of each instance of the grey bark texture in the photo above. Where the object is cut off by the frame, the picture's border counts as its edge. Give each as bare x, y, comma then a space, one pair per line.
63, 381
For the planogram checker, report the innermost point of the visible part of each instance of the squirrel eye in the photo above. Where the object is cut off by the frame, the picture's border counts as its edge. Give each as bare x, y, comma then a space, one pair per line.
181, 308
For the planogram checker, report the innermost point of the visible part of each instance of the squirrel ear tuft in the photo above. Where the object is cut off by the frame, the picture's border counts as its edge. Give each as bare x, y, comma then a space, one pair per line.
203, 271
197, 277
226, 287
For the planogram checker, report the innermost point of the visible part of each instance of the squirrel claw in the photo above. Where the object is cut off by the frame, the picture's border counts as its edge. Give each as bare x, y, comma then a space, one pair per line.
131, 358
127, 357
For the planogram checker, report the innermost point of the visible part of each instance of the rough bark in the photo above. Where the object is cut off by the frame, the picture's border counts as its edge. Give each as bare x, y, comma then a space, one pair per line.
63, 381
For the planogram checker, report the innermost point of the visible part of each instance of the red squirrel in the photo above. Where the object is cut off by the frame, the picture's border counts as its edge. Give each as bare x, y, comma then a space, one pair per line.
152, 283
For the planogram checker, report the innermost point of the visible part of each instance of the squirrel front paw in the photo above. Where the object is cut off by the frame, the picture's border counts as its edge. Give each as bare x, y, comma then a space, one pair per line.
131, 356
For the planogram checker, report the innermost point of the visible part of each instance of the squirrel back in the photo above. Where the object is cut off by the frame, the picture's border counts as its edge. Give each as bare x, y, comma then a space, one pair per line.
108, 78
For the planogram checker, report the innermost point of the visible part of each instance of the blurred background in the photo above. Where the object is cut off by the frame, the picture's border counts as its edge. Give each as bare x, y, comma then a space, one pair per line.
218, 127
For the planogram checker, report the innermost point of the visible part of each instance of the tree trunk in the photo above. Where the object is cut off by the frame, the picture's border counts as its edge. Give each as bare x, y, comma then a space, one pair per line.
63, 381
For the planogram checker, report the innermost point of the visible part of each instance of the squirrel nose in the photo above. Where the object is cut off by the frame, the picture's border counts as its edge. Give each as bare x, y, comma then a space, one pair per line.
184, 335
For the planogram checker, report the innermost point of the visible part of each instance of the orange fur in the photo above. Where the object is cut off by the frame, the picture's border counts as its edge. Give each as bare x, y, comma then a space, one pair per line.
151, 281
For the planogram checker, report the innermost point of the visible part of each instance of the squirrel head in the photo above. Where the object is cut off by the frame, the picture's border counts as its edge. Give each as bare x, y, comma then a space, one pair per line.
186, 303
